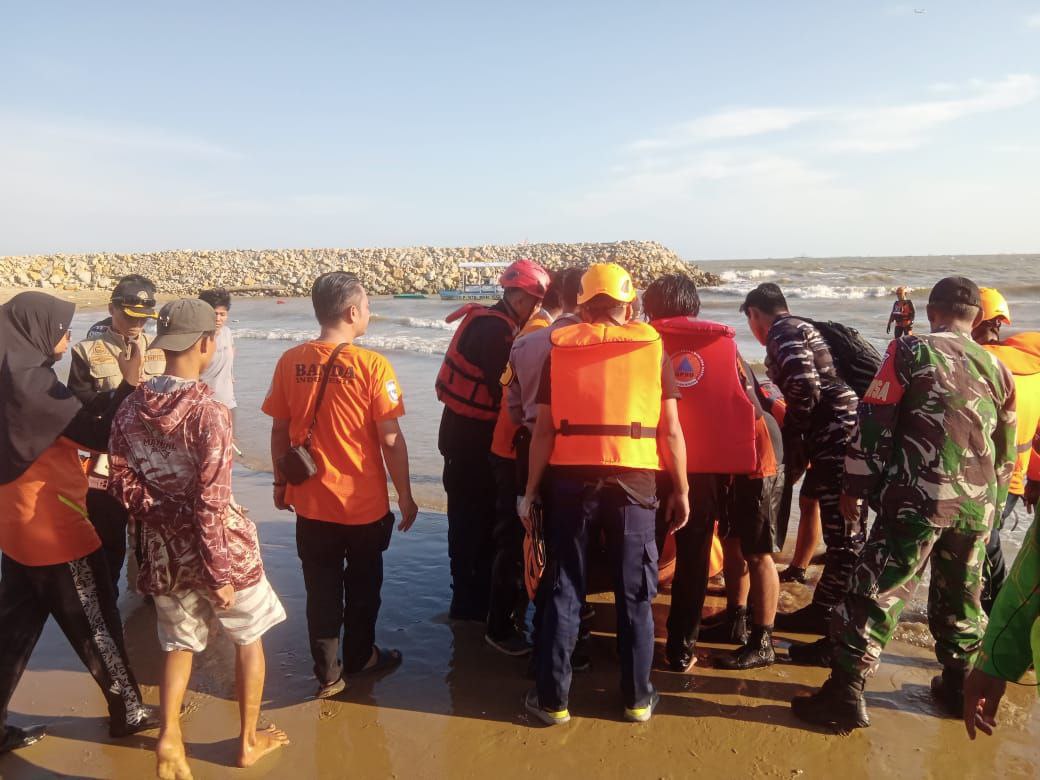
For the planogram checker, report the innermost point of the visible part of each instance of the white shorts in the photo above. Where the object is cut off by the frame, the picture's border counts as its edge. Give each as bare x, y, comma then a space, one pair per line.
184, 617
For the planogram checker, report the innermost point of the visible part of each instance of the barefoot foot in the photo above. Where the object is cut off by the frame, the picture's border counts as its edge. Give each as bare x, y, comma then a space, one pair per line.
171, 763
266, 741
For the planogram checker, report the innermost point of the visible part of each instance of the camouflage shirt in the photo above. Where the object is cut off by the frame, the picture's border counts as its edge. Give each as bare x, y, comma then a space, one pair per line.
820, 406
936, 438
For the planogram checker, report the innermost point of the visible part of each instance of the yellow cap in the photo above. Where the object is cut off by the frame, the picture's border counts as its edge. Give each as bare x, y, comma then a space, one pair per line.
608, 279
994, 305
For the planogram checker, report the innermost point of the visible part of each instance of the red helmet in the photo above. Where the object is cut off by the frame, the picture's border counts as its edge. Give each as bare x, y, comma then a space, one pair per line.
527, 275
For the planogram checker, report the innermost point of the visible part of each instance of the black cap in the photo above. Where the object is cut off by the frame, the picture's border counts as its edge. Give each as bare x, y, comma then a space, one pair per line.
136, 298
956, 290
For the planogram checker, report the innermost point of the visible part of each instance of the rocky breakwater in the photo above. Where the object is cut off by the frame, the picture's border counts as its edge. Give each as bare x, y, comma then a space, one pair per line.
291, 271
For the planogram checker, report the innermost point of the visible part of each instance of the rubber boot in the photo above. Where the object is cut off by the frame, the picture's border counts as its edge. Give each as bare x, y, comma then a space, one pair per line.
839, 704
948, 690
818, 653
756, 653
733, 630
810, 619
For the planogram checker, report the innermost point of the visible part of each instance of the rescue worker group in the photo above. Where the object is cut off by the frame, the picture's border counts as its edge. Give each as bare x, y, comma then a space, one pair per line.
592, 438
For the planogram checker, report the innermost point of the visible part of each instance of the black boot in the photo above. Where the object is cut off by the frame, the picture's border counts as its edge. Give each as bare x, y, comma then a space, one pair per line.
15, 737
756, 653
818, 653
838, 704
733, 630
793, 574
948, 690
679, 655
810, 619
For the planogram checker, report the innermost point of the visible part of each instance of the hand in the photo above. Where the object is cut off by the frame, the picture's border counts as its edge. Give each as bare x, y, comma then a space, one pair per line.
678, 510
851, 508
131, 362
982, 695
279, 498
1032, 495
523, 510
888, 329
224, 597
409, 510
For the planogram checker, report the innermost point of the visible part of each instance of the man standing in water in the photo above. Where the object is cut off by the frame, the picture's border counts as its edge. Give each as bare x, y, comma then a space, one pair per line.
903, 314
171, 466
934, 450
342, 403
219, 375
1021, 354
607, 421
95, 372
469, 386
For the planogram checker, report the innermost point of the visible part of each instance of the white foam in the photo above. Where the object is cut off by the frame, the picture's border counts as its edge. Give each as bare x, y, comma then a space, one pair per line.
421, 323
747, 275
417, 345
818, 291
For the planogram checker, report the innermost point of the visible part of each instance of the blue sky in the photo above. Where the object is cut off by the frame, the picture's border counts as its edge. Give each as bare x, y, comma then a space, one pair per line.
724, 130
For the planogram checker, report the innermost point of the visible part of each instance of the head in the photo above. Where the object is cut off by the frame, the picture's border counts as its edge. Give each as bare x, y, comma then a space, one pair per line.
185, 333
42, 321
220, 300
762, 306
553, 300
340, 300
954, 304
525, 283
673, 295
995, 314
607, 295
902, 292
132, 304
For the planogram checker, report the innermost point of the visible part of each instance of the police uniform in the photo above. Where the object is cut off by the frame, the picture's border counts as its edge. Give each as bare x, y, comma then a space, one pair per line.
95, 371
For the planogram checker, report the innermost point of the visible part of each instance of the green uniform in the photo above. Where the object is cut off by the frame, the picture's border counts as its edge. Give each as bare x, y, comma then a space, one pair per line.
1012, 640
934, 453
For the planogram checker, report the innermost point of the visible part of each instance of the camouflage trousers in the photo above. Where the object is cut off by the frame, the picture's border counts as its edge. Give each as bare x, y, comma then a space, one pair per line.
889, 571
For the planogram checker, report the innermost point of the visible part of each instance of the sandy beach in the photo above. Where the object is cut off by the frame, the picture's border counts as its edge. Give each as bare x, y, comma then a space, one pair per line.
453, 708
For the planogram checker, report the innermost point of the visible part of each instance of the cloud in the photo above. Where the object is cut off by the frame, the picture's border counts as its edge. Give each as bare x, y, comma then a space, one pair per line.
1033, 21
736, 123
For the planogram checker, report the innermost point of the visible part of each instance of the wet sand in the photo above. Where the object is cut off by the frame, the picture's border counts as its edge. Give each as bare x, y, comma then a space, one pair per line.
453, 708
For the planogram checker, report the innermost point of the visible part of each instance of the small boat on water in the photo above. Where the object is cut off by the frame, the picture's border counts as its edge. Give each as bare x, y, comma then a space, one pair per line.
409, 296
479, 283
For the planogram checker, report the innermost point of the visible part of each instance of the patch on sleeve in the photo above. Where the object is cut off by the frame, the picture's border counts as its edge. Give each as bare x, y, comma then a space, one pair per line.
886, 388
392, 392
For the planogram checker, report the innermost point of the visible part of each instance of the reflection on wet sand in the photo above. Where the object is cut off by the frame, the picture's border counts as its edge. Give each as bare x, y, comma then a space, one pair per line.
453, 708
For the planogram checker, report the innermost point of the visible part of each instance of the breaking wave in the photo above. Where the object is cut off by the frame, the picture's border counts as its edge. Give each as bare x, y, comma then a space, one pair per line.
416, 345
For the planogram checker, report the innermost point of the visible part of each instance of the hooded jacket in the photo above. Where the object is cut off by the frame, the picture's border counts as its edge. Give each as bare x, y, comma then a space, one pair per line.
171, 459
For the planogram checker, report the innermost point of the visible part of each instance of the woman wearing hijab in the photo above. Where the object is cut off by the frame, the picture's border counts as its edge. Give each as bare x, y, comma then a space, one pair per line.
52, 560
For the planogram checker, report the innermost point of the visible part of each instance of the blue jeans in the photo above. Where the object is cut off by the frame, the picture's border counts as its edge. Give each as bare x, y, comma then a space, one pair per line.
575, 509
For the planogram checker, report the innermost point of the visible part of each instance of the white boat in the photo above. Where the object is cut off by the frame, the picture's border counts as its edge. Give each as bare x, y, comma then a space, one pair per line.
479, 283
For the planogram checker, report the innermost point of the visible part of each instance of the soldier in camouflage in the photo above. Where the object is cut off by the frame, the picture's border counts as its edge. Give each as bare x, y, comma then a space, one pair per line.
934, 451
819, 423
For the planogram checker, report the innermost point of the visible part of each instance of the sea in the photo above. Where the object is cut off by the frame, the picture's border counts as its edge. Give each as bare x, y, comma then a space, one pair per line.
414, 335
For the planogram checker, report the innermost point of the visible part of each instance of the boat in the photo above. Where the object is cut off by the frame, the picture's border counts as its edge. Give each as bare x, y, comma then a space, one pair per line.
409, 296
479, 283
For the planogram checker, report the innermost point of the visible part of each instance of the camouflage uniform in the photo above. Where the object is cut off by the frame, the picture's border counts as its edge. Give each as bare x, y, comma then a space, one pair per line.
820, 420
935, 450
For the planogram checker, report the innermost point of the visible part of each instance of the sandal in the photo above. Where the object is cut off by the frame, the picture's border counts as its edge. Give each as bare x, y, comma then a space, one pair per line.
385, 661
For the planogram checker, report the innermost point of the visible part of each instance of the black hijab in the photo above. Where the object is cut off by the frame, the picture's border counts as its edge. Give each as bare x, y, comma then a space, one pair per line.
35, 407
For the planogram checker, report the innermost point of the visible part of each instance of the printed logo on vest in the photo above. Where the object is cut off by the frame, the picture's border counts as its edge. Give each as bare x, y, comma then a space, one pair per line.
688, 367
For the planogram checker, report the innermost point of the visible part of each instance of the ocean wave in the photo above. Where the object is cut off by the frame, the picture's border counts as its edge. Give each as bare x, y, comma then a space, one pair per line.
747, 275
421, 323
416, 345
819, 291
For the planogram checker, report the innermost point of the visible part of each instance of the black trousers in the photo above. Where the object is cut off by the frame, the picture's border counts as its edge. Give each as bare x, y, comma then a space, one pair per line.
508, 594
470, 485
109, 518
79, 596
343, 576
692, 555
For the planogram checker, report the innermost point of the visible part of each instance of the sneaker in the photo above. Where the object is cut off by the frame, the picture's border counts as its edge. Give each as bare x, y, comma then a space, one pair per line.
839, 704
515, 645
548, 717
643, 714
818, 653
331, 689
794, 574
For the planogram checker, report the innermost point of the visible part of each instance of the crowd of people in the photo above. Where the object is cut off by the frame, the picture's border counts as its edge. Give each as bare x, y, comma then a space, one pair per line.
583, 429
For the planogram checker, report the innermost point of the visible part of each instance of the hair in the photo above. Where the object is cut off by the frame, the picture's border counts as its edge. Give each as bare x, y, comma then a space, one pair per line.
144, 281
602, 305
570, 285
216, 297
963, 312
672, 295
333, 293
553, 299
767, 297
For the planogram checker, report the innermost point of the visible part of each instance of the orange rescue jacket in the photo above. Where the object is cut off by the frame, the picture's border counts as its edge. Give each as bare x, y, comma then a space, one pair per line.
460, 385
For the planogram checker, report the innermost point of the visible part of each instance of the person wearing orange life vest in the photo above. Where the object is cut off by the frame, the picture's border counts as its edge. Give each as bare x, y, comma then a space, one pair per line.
607, 422
733, 457
902, 315
506, 624
468, 384
1021, 354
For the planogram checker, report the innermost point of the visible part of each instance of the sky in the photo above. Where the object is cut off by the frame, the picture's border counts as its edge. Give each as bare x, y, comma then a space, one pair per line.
724, 130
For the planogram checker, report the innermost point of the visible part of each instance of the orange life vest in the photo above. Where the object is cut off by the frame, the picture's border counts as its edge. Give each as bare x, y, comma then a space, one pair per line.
1021, 354
717, 417
606, 395
505, 429
460, 385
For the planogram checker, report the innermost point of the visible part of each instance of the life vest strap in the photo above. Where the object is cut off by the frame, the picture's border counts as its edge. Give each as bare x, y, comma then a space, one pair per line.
634, 430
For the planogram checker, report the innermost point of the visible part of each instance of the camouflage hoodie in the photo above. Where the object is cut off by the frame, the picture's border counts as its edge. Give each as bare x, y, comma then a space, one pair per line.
936, 439
170, 452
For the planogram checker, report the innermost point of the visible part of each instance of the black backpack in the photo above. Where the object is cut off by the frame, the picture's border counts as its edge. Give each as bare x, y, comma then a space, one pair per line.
855, 359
